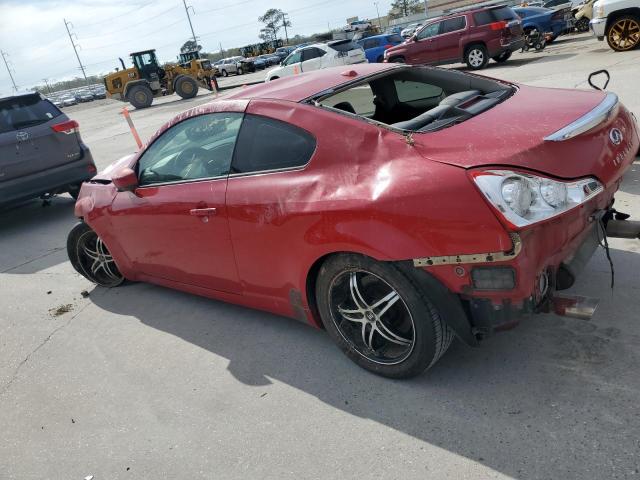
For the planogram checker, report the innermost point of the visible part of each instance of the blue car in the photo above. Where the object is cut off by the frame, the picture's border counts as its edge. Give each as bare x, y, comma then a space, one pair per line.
542, 19
375, 46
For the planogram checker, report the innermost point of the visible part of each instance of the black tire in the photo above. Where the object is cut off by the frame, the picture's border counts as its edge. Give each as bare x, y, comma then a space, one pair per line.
582, 25
74, 190
476, 56
503, 57
539, 46
186, 87
397, 60
413, 336
623, 33
140, 96
91, 258
239, 71
224, 73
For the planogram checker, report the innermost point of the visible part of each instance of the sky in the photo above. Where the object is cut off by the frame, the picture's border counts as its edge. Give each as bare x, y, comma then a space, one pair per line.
33, 34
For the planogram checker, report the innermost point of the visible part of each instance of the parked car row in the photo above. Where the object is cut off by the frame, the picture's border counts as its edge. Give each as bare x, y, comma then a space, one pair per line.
79, 95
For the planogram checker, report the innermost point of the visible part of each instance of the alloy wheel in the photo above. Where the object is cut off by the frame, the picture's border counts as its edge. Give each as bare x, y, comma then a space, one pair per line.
476, 57
624, 34
372, 317
96, 261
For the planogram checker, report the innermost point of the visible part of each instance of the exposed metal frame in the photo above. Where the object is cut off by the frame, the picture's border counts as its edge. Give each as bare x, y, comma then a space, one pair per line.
490, 257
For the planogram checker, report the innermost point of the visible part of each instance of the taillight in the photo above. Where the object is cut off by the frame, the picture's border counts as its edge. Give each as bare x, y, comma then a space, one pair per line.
386, 47
68, 127
501, 25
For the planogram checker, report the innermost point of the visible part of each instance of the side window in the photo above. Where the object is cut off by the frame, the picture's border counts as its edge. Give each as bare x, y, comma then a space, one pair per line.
429, 31
453, 24
293, 58
371, 43
199, 147
409, 91
268, 144
309, 53
358, 100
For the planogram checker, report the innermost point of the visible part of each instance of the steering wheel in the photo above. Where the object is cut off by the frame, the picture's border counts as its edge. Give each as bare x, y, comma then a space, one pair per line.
192, 163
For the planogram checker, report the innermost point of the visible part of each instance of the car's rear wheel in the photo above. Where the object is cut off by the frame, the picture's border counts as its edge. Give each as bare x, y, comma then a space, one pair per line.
140, 96
624, 33
224, 73
503, 57
379, 317
582, 25
476, 57
239, 71
91, 257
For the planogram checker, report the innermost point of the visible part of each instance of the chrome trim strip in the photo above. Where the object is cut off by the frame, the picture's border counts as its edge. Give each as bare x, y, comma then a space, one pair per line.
588, 121
474, 257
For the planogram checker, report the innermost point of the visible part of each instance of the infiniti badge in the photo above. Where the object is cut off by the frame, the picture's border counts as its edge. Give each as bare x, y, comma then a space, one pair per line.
22, 136
616, 136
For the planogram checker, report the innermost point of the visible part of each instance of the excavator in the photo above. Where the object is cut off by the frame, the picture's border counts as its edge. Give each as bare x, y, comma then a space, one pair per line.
147, 79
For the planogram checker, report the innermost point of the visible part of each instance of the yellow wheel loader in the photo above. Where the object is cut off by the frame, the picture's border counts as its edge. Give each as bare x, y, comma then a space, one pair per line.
147, 79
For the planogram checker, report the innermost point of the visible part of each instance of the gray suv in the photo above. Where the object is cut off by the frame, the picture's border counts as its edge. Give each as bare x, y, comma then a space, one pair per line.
41, 151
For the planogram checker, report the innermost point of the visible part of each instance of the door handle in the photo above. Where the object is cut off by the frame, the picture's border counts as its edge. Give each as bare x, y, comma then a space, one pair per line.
202, 212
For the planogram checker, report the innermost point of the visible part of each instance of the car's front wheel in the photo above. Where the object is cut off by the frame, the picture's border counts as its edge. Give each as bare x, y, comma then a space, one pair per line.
582, 25
379, 317
476, 57
91, 258
624, 33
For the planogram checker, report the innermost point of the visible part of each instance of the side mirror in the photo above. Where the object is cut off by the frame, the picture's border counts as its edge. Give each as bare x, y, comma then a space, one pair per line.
125, 180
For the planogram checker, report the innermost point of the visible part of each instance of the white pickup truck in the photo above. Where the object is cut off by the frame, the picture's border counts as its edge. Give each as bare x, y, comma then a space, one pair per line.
618, 21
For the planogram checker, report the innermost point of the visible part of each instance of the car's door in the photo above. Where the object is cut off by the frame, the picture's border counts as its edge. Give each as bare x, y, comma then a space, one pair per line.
174, 226
311, 59
449, 39
267, 174
291, 64
425, 47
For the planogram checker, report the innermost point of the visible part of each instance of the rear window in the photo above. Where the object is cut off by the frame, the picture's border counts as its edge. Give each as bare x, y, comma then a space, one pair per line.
25, 111
494, 15
344, 46
409, 91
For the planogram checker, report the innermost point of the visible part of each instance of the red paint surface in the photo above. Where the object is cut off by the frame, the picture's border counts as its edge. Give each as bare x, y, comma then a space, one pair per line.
365, 190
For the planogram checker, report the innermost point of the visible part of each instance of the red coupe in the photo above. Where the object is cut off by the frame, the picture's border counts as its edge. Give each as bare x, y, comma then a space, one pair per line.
396, 206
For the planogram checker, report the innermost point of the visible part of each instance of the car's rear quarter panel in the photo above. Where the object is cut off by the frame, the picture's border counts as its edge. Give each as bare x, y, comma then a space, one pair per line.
366, 190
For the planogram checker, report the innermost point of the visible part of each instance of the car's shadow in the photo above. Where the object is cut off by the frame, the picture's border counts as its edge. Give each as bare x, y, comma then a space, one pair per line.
33, 235
554, 398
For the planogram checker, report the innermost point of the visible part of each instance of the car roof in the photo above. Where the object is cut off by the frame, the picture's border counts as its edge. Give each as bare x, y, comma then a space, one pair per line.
20, 94
296, 88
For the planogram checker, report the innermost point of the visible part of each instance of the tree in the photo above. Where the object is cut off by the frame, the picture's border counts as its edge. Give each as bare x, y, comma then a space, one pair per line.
404, 8
190, 46
274, 19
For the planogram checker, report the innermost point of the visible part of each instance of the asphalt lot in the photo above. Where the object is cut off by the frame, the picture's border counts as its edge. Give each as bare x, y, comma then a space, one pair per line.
144, 382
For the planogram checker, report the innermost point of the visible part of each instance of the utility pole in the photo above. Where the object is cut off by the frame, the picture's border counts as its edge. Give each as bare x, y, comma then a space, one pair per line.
6, 64
378, 12
186, 9
75, 49
284, 24
426, 9
221, 50
47, 84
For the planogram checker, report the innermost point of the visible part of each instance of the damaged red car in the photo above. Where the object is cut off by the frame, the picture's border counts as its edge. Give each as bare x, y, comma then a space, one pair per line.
394, 206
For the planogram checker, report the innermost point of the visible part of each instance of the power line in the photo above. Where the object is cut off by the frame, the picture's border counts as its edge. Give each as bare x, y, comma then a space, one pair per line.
6, 64
127, 27
224, 7
103, 46
117, 16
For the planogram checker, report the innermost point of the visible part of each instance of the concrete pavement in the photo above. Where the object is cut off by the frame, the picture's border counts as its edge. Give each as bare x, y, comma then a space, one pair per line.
144, 382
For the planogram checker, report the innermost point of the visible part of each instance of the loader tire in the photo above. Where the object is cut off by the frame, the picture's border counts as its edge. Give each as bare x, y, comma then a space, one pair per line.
140, 96
186, 87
